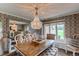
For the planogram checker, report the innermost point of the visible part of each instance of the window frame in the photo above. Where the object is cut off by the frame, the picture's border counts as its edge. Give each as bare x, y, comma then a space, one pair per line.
59, 40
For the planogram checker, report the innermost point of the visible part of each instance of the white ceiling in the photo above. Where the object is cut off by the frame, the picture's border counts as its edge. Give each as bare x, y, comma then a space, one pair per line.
49, 10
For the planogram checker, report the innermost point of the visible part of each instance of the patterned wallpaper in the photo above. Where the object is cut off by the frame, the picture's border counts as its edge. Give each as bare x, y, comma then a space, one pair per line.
5, 22
71, 24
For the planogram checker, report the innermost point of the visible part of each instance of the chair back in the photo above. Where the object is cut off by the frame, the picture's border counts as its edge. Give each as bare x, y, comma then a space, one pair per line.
19, 38
51, 36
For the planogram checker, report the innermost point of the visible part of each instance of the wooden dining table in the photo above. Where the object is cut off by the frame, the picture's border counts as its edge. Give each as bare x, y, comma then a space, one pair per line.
33, 49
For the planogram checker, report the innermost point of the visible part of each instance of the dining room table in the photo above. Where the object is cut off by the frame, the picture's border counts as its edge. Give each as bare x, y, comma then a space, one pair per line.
33, 48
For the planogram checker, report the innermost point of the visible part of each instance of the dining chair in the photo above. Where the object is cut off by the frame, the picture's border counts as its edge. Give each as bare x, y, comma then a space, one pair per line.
51, 36
19, 38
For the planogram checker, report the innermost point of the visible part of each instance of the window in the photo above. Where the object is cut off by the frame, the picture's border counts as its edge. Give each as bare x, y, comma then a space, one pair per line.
55, 28
60, 31
46, 30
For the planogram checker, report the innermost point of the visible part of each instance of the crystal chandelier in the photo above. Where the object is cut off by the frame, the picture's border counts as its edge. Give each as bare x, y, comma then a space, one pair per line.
14, 26
36, 23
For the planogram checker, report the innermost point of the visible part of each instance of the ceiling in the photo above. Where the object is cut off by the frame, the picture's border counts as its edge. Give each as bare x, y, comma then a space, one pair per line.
50, 10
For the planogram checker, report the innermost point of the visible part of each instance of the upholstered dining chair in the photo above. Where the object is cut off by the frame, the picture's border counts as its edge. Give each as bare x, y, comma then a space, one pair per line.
51, 36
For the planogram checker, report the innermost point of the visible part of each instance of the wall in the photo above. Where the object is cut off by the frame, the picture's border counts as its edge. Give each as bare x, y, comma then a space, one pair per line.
71, 24
4, 40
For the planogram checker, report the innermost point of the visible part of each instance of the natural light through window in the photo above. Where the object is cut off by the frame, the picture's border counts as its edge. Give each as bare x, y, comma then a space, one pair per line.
55, 28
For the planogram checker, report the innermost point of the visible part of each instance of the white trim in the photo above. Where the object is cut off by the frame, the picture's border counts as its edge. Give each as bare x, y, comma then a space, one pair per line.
54, 21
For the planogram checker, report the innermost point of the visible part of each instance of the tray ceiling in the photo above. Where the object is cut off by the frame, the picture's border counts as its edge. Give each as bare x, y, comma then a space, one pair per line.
50, 10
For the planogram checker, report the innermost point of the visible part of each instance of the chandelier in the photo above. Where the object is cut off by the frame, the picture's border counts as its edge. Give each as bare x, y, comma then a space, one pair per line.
36, 23
14, 26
